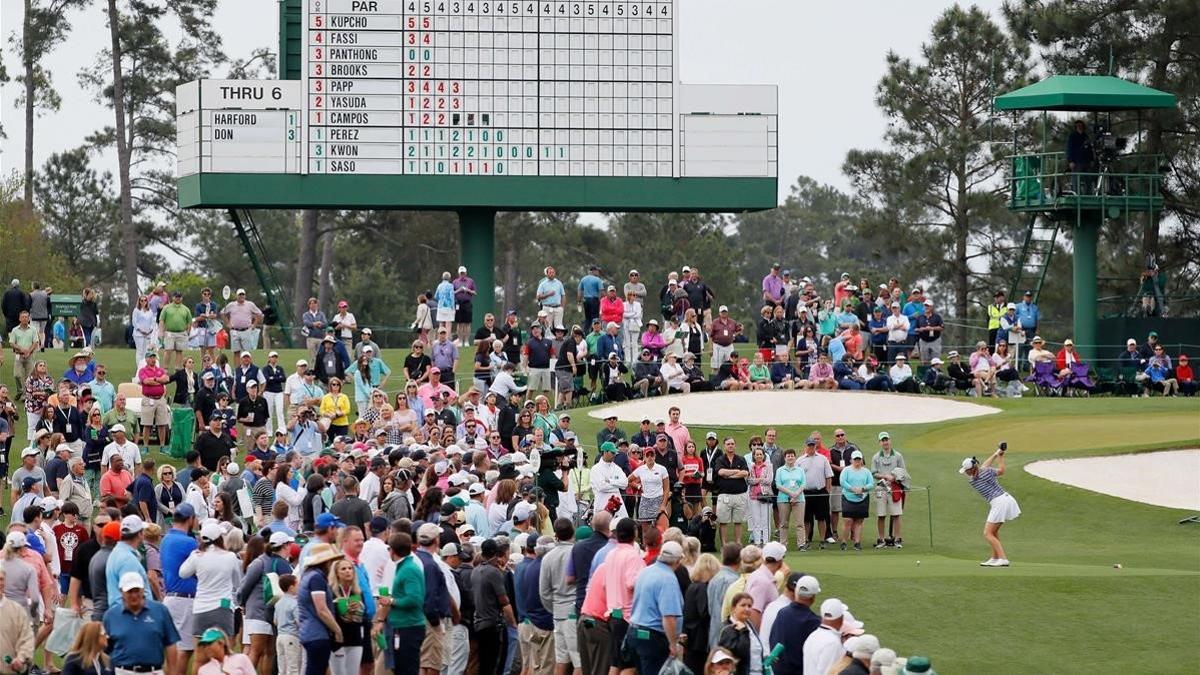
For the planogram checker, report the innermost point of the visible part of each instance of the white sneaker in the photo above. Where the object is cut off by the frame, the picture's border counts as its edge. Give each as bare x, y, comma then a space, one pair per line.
990, 562
1002, 562
830, 540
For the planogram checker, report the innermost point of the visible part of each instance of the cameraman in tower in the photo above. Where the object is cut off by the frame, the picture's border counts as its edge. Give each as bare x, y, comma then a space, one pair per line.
1081, 158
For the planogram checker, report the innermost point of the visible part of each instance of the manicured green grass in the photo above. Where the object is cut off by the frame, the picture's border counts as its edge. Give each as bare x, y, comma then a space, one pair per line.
1062, 607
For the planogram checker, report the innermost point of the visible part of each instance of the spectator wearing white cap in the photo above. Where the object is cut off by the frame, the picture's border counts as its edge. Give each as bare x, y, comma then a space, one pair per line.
218, 575
824, 647
125, 558
242, 318
761, 584
794, 625
861, 648
121, 445
886, 466
251, 596
274, 379
897, 336
140, 630
252, 412
657, 611
22, 578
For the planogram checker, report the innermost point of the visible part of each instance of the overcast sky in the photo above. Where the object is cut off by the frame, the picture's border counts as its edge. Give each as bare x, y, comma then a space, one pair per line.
826, 59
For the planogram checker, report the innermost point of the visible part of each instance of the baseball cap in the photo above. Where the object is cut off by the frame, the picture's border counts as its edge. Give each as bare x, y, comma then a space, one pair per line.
856, 455
16, 540
721, 655
774, 550
29, 452
449, 508
111, 530
450, 550
280, 538
132, 525
850, 625
936, 361
918, 664
183, 512
1131, 341
808, 586
671, 552
522, 511
151, 355
208, 375
928, 302
863, 646
464, 528
833, 608
476, 489
711, 434
211, 531
327, 520
240, 291
37, 435
1069, 341
967, 464
1011, 305
810, 441
132, 580
883, 435
48, 504
723, 308
211, 635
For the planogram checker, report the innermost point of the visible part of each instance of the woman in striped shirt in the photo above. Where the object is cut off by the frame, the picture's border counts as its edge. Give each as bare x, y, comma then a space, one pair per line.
1003, 507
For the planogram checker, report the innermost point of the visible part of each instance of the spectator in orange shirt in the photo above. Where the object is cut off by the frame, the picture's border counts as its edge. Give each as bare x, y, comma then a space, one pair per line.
116, 481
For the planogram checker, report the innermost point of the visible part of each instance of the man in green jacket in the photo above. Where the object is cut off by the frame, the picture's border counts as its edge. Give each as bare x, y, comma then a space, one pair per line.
406, 617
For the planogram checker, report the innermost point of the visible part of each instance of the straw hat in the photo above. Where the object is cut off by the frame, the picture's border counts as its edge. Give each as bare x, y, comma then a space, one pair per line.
321, 554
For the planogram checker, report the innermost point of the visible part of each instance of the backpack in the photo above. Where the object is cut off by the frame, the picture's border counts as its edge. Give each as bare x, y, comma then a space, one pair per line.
270, 585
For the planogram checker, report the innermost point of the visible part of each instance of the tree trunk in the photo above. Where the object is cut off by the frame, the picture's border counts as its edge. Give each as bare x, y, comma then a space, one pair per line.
962, 225
509, 274
129, 234
30, 92
326, 283
306, 263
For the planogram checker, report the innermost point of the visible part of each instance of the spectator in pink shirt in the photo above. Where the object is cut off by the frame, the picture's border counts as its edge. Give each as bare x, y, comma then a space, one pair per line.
623, 564
155, 409
680, 436
761, 583
820, 376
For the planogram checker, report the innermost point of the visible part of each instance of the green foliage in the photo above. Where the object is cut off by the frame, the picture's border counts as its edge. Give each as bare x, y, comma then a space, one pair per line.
28, 255
939, 180
79, 211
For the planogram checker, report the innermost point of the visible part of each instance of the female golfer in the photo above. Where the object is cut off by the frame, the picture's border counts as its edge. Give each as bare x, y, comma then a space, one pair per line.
1003, 507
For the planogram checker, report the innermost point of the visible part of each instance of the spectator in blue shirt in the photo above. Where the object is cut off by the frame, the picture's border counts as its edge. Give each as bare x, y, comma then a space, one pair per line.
124, 559
590, 289
913, 309
139, 630
537, 631
143, 492
437, 595
550, 294
657, 609
1028, 314
180, 592
877, 326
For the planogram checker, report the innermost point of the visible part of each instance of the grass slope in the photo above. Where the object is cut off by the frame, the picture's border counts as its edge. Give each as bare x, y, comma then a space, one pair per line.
1062, 607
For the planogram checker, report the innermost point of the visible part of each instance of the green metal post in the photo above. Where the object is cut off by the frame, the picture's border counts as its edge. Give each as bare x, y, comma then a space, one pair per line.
929, 509
477, 248
1087, 232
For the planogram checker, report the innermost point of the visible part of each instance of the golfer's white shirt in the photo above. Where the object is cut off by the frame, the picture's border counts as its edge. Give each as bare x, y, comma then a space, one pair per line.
218, 575
375, 557
822, 649
607, 480
770, 613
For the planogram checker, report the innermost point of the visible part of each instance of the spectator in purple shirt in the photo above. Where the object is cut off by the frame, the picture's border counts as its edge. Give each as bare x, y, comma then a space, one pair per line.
772, 287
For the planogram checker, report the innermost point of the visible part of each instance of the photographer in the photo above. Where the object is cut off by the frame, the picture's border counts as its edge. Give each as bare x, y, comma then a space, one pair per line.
553, 477
1080, 155
304, 436
704, 528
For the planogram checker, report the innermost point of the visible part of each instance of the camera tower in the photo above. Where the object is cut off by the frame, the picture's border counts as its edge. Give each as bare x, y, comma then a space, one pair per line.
1114, 186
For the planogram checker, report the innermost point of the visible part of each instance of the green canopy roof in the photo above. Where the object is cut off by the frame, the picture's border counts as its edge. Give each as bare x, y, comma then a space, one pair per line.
1084, 92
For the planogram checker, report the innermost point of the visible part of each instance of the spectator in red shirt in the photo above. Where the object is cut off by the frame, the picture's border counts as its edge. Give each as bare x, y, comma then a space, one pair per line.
612, 307
1185, 377
116, 481
69, 534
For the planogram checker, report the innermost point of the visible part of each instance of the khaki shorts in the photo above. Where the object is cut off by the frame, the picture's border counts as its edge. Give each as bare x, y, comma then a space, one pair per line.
566, 642
433, 649
732, 508
883, 505
180, 609
175, 341
539, 379
537, 649
156, 412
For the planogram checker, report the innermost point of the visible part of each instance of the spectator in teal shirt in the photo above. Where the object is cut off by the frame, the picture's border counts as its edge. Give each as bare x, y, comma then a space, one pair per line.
591, 287
856, 482
406, 617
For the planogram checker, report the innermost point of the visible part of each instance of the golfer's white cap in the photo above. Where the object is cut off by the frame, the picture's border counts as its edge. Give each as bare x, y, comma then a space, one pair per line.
967, 464
774, 551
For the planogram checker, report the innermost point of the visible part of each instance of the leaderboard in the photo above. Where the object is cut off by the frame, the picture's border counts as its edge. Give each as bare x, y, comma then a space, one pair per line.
490, 87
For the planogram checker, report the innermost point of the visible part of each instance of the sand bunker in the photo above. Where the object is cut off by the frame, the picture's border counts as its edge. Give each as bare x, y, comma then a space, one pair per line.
1170, 478
757, 408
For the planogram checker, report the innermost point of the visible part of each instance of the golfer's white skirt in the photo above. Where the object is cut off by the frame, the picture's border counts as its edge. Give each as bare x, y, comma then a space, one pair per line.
1004, 508
445, 314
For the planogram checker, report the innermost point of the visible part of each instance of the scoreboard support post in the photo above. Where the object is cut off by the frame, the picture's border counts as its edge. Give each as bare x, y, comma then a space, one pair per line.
477, 250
